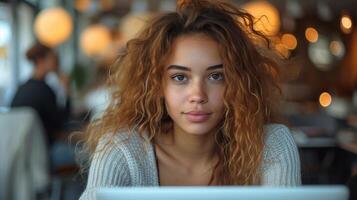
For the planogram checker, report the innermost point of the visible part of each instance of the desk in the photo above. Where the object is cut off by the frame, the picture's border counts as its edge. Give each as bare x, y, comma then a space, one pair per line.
348, 146
347, 140
318, 142
317, 155
304, 141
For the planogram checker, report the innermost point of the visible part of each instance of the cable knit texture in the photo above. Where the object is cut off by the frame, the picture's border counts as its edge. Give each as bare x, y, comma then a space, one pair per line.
129, 161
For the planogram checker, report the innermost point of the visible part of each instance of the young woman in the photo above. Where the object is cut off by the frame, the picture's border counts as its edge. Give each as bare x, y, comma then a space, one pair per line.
194, 105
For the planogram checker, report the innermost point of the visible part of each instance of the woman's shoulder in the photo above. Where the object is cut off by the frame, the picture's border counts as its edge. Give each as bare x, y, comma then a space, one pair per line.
123, 148
277, 132
278, 140
135, 152
271, 128
127, 141
281, 164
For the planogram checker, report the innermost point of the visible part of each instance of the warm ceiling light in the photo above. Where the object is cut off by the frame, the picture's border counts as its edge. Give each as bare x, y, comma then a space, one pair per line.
267, 16
311, 35
346, 24
337, 48
95, 39
132, 24
106, 5
289, 40
282, 50
325, 99
82, 5
53, 26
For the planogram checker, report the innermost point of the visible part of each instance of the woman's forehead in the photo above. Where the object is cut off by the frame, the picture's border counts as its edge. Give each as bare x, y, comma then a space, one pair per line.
193, 50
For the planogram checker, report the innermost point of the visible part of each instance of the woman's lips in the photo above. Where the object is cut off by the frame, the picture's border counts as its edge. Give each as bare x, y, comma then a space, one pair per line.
197, 116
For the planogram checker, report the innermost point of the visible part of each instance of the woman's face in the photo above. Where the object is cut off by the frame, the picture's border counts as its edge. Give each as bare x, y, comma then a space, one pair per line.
194, 84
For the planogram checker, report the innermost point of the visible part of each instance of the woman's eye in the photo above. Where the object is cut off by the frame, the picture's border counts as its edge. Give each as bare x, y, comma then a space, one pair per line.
179, 78
216, 76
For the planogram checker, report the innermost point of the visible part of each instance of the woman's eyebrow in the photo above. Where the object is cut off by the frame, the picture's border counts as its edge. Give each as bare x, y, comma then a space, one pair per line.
213, 67
178, 67
184, 68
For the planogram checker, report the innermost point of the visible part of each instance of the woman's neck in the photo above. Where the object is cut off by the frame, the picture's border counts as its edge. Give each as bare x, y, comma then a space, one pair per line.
193, 149
39, 74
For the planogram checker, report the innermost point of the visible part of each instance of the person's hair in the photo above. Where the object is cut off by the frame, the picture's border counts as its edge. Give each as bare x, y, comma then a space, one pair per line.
38, 51
251, 93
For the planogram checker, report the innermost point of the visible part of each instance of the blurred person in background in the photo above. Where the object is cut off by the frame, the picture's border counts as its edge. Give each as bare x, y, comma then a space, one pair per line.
37, 94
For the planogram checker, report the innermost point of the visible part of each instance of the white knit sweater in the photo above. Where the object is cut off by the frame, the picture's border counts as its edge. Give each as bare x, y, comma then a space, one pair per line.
132, 163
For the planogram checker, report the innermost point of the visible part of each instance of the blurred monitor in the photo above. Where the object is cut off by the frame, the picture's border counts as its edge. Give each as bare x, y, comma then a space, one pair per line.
224, 192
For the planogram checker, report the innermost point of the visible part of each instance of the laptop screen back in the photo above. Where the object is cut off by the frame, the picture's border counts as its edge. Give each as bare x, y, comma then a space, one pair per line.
224, 193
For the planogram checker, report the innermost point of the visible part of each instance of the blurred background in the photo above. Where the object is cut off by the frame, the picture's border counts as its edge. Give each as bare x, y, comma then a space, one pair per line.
318, 39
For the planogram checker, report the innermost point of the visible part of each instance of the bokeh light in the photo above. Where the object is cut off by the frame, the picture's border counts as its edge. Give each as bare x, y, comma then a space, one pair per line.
325, 99
346, 24
311, 34
267, 16
289, 40
95, 39
53, 26
337, 48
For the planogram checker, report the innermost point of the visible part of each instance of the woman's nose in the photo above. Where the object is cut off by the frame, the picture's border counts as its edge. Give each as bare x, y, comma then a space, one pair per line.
198, 93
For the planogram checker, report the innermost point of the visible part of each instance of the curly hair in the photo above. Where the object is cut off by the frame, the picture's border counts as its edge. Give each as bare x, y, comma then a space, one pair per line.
251, 92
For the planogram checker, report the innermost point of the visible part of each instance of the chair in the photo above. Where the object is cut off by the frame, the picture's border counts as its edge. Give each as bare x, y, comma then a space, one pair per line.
24, 166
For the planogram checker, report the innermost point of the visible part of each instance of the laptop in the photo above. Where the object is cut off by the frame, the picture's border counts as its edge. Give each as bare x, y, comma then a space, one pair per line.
334, 192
